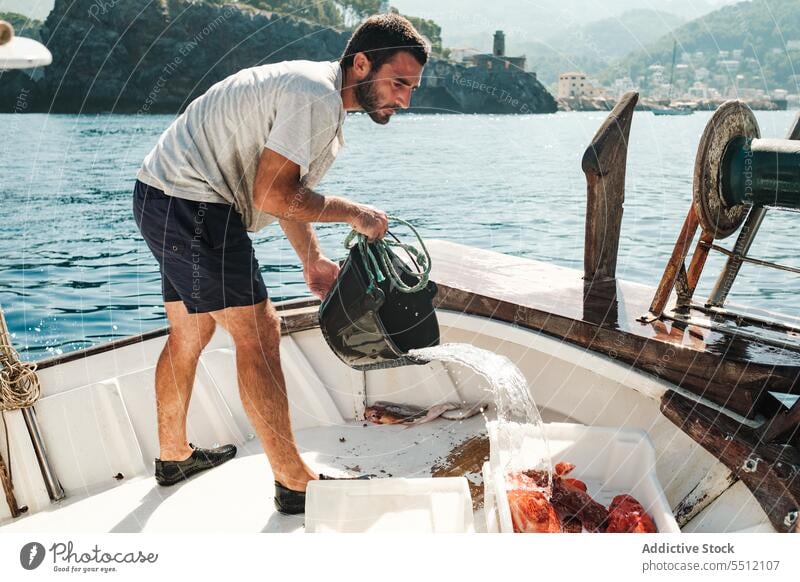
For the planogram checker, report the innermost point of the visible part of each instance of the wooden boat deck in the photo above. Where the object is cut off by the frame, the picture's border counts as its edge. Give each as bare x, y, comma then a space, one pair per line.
733, 365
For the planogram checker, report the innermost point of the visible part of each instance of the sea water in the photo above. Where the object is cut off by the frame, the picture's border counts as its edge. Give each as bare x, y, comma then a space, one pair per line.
518, 418
75, 272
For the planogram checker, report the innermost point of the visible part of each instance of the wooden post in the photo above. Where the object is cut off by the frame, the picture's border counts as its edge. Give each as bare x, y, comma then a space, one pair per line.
8, 488
692, 274
5, 475
675, 263
604, 165
786, 423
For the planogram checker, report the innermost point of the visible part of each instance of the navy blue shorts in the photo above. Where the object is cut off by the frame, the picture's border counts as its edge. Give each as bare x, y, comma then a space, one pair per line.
203, 249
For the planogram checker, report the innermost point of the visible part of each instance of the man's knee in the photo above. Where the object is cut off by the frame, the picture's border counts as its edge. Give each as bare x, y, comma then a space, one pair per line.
264, 341
254, 328
190, 342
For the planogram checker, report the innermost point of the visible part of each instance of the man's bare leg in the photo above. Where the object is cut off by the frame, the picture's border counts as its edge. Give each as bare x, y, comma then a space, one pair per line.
256, 332
175, 371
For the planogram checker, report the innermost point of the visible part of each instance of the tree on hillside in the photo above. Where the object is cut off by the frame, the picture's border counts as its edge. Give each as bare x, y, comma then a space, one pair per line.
325, 12
428, 28
23, 26
355, 11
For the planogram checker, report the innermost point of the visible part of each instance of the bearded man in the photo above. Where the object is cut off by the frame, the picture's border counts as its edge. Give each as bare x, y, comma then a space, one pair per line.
251, 150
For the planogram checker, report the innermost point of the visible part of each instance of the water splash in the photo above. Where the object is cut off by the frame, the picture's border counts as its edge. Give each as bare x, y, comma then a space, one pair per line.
518, 418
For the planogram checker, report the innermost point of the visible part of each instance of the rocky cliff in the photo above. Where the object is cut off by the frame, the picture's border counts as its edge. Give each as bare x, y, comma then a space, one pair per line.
454, 88
146, 56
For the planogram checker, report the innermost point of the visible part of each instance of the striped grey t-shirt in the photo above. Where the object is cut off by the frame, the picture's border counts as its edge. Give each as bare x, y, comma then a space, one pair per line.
210, 153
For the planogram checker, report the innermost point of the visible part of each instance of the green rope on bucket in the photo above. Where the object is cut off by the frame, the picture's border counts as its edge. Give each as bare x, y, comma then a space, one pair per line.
378, 264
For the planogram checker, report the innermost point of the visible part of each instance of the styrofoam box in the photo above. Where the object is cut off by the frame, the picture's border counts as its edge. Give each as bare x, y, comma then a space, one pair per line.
430, 505
610, 460
489, 503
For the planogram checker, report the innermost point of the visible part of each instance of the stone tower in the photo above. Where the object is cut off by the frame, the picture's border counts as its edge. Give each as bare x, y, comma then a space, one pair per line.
499, 44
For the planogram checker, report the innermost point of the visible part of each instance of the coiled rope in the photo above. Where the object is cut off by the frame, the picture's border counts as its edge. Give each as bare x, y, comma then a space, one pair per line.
378, 263
19, 388
19, 385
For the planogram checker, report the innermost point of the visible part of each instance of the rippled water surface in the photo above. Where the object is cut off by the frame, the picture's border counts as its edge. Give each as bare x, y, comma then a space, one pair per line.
74, 272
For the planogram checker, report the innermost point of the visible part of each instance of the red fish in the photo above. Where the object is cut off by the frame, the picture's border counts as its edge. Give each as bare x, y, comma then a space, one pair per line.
626, 515
531, 512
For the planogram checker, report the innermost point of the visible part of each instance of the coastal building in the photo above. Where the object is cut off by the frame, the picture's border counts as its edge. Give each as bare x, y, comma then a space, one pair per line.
462, 55
576, 86
701, 74
656, 74
621, 86
571, 85
497, 60
731, 65
698, 90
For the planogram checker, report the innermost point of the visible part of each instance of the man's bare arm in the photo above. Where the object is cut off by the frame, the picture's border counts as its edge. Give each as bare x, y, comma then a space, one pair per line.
279, 192
303, 239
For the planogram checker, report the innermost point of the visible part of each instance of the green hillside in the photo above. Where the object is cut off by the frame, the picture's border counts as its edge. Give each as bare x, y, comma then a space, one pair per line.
759, 40
593, 47
342, 14
615, 37
23, 26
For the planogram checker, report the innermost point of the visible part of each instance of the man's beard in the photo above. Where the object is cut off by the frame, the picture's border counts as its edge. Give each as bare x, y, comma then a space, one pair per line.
367, 97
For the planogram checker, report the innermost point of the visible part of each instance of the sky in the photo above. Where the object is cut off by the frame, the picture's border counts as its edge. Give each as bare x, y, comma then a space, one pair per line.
38, 9
469, 23
472, 22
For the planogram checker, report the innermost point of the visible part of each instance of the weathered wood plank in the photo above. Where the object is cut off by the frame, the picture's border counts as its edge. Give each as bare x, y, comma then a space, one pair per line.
784, 426
604, 163
771, 472
675, 264
8, 489
728, 369
295, 316
718, 480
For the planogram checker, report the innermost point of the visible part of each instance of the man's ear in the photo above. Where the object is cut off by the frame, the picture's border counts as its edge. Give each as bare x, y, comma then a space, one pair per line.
361, 66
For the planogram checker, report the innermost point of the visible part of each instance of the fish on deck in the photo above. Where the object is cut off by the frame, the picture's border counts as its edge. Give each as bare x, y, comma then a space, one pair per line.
393, 413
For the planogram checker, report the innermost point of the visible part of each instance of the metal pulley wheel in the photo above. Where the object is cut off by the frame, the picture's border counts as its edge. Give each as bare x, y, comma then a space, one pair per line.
733, 119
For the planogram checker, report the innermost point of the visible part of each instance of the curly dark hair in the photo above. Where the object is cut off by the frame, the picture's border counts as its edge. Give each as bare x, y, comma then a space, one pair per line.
381, 36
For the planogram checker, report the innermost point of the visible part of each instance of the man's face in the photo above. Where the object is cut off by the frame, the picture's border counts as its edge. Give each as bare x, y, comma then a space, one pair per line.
380, 93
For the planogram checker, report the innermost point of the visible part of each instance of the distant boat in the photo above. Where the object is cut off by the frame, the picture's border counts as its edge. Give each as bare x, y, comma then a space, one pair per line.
673, 111
680, 109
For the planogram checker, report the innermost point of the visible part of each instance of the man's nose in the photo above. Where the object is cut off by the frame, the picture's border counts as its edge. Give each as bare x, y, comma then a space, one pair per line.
404, 98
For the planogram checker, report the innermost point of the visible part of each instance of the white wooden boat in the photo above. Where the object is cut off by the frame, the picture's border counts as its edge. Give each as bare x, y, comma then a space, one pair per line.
97, 416
588, 355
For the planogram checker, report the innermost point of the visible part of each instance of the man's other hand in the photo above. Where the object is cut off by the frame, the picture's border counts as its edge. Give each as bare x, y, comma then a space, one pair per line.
370, 221
320, 275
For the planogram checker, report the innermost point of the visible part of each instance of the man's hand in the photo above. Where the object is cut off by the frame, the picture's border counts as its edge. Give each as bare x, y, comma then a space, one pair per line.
369, 221
320, 275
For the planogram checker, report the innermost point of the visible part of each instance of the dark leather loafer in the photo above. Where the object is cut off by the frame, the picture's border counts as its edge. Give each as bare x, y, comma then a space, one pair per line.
290, 502
171, 472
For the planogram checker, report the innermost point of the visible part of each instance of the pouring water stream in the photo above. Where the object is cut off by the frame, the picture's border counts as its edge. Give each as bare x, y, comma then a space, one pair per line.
517, 415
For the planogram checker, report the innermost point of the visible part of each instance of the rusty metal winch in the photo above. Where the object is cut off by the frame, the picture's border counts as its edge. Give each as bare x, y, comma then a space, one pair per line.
737, 176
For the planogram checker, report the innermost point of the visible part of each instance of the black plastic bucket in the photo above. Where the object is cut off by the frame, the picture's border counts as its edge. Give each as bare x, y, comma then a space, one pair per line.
375, 328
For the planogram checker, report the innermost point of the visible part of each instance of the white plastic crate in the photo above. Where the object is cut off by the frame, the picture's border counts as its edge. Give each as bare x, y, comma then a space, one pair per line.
432, 505
489, 502
611, 461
